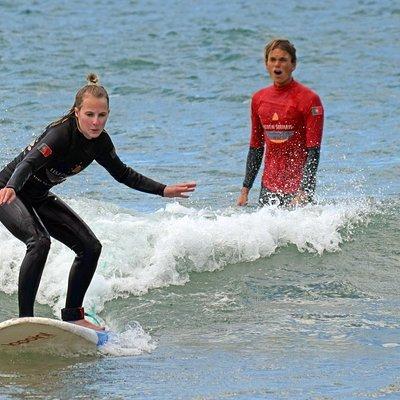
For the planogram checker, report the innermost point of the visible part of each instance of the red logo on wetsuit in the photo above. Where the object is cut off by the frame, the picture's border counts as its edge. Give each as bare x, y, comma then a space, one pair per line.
45, 150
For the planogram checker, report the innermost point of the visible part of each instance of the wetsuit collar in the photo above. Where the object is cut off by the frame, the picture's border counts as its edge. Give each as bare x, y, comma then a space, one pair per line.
285, 87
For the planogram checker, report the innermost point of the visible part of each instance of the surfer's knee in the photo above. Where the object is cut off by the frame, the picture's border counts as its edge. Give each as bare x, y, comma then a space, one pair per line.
95, 247
39, 244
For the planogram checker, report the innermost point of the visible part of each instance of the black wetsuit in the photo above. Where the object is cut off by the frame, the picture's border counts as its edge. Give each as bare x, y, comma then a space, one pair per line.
37, 214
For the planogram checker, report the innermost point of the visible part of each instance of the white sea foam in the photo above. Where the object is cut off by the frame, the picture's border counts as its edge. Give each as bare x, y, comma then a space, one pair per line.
133, 341
144, 251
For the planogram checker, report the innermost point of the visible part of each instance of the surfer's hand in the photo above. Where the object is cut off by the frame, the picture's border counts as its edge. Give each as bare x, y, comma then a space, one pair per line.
7, 196
179, 189
243, 197
300, 199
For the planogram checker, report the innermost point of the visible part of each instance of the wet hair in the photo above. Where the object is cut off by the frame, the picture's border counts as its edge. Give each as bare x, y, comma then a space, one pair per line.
92, 88
282, 44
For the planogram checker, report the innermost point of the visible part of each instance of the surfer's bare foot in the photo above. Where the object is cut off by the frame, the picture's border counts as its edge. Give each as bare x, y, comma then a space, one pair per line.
87, 324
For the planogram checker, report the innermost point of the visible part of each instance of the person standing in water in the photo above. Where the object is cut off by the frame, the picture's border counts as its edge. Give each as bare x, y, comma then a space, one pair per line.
33, 214
286, 130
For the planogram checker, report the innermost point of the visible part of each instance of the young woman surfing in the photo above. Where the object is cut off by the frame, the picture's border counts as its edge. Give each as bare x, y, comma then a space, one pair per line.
33, 214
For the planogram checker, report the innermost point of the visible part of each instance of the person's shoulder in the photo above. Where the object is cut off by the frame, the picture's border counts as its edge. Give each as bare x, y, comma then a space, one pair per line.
307, 98
105, 137
60, 132
104, 141
261, 93
305, 90
64, 127
104, 146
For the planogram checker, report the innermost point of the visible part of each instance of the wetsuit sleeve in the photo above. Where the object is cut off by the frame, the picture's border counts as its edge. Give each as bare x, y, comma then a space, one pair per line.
314, 120
126, 175
256, 150
257, 130
254, 159
310, 171
51, 144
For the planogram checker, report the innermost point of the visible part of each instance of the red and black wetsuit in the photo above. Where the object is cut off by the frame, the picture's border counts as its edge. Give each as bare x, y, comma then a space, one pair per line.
287, 122
37, 214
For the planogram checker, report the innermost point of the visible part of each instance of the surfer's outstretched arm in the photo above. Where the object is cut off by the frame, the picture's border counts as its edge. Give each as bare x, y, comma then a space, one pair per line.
122, 173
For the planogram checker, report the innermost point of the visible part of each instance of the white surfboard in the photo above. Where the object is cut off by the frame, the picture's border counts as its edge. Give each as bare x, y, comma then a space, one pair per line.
50, 336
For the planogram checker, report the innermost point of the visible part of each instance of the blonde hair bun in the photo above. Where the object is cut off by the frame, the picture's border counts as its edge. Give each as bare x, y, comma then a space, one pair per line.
92, 79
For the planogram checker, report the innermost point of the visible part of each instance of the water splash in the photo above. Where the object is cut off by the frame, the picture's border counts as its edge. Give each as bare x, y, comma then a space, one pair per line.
132, 341
145, 251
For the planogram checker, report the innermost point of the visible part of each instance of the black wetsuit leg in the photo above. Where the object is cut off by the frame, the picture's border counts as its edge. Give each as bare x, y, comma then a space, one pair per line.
21, 220
66, 226
268, 198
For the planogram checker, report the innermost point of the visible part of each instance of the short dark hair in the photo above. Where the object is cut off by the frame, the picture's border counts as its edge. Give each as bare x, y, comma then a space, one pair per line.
282, 44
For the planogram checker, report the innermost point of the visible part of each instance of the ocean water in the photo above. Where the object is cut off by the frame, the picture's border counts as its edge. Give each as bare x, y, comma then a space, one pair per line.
207, 300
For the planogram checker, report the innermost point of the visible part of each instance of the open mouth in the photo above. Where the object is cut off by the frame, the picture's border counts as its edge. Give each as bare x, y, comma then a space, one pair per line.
277, 72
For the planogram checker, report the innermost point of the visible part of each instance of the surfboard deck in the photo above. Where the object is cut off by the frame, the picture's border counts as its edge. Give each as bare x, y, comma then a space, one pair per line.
49, 336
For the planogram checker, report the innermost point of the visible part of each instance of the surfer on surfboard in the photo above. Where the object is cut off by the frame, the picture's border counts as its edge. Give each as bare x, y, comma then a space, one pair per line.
33, 214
